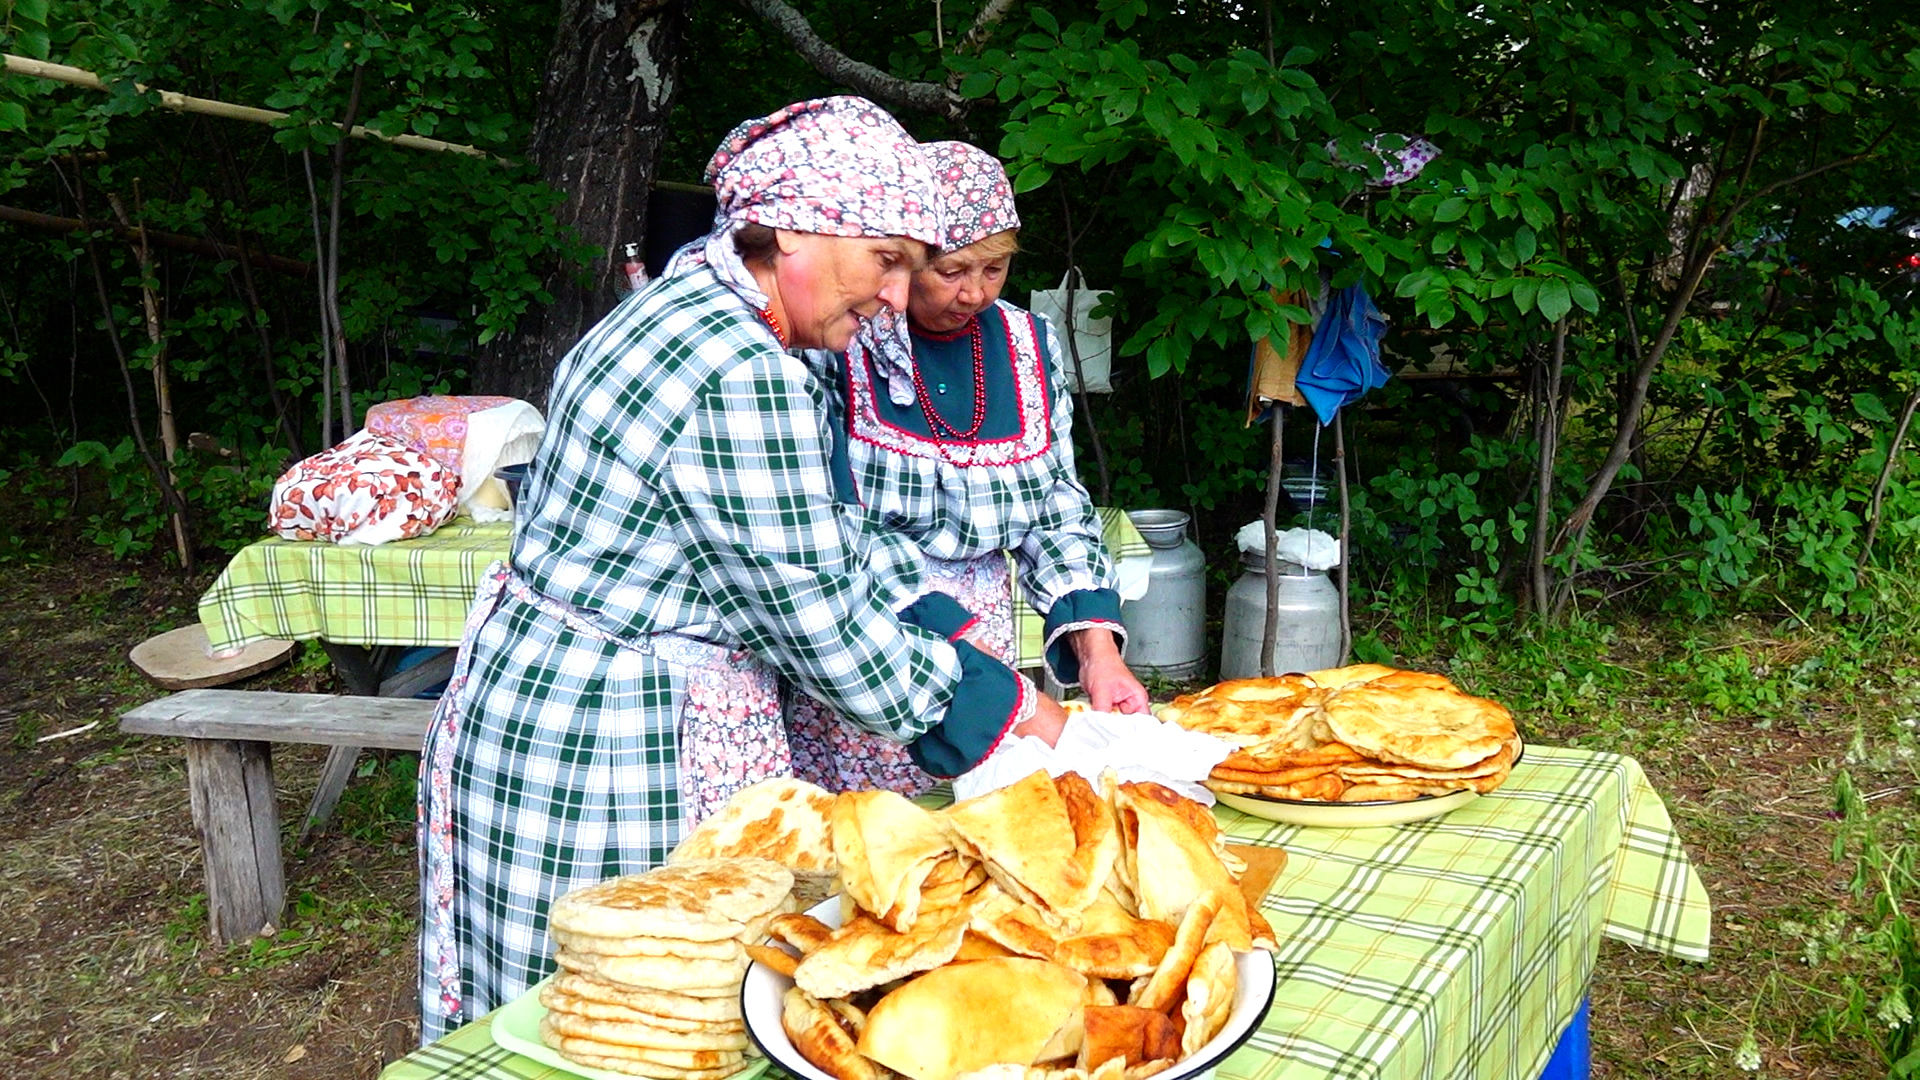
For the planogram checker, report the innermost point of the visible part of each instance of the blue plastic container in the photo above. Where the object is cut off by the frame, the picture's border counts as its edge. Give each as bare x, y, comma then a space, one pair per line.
1573, 1055
413, 657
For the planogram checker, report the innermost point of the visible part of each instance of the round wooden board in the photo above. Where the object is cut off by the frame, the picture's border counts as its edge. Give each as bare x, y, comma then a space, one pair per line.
178, 660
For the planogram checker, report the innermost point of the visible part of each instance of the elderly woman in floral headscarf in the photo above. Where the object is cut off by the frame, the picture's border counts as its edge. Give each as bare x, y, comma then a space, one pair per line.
681, 545
956, 424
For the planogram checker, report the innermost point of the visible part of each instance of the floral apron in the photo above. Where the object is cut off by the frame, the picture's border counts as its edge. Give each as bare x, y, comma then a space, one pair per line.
728, 734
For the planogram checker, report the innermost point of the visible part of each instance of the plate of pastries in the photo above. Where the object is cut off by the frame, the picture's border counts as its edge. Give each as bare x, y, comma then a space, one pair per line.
1049, 930
1352, 746
1054, 929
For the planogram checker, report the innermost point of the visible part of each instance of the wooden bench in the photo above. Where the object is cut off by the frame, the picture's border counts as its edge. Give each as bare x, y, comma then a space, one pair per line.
230, 734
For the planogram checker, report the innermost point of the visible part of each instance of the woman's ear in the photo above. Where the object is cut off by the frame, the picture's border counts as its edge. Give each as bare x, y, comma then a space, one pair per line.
787, 241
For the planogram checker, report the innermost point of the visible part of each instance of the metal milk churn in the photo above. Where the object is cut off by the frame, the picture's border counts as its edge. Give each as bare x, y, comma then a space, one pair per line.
1307, 635
1166, 628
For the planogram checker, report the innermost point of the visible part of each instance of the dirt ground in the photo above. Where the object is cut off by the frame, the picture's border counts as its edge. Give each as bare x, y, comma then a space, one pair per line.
106, 969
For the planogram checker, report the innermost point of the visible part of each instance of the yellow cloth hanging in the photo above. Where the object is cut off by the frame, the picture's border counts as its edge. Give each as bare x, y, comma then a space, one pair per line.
1274, 369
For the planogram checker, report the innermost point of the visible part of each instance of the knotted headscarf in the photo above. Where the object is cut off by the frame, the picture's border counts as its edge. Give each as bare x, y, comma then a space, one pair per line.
975, 197
839, 166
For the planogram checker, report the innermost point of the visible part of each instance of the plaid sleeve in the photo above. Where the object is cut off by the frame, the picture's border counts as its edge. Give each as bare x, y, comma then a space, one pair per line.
763, 535
1063, 552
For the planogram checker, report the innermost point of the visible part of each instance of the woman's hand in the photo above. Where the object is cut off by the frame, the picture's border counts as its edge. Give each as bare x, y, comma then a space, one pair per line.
1110, 686
978, 639
1047, 721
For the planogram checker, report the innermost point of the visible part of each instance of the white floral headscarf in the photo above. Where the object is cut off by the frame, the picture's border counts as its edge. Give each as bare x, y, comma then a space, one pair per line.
839, 166
975, 197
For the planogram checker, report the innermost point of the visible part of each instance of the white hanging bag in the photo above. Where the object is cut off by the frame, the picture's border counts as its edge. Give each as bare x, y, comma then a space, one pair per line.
1092, 336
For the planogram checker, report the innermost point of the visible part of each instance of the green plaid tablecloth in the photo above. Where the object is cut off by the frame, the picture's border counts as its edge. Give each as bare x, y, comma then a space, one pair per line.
410, 592
417, 592
1451, 948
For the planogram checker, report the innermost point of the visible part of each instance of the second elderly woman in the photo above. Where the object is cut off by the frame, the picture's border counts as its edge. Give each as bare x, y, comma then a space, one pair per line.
680, 547
954, 425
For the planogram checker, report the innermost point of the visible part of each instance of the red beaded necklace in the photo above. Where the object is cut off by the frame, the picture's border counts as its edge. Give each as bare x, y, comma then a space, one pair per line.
773, 323
936, 424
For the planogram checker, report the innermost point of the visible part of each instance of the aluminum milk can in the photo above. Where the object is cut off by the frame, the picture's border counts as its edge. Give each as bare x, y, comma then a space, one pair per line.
1166, 628
1307, 636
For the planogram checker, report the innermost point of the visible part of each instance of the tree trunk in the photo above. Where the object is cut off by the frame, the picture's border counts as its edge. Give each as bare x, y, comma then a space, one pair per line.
1546, 433
611, 81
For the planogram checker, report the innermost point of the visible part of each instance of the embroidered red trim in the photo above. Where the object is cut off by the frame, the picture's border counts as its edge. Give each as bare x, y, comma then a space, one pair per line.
1034, 438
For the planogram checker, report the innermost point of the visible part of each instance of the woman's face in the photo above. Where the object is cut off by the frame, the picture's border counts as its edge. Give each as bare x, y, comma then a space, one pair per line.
955, 287
829, 283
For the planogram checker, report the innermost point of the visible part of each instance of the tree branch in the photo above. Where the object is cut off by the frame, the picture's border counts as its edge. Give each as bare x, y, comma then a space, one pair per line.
199, 245
1886, 474
861, 78
990, 15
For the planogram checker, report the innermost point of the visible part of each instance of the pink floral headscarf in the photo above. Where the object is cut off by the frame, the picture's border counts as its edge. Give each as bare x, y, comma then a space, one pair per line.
976, 199
840, 166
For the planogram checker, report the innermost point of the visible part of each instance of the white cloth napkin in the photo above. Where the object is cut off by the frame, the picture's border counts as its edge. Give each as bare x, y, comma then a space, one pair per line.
1132, 576
1310, 548
503, 435
1134, 745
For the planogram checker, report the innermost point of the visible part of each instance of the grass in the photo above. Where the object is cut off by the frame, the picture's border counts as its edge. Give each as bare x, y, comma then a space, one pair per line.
1746, 734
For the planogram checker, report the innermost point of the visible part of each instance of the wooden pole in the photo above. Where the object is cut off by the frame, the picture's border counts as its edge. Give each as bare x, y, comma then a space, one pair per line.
1276, 469
40, 69
1346, 549
162, 385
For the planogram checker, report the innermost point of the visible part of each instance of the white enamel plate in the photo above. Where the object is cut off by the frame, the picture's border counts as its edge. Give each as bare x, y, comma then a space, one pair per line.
761, 994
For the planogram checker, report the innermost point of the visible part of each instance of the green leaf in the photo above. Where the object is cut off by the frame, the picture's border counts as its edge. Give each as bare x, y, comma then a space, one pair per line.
1535, 210
1452, 209
1033, 175
13, 116
977, 84
1375, 259
1869, 407
32, 11
1524, 243
1584, 297
1414, 283
1554, 299
1044, 20
1524, 290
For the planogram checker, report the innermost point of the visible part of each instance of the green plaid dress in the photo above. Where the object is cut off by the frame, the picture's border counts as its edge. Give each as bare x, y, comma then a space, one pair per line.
678, 544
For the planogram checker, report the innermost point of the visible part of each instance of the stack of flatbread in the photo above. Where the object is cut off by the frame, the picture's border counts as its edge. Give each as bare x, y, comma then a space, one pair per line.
1363, 733
1045, 929
651, 964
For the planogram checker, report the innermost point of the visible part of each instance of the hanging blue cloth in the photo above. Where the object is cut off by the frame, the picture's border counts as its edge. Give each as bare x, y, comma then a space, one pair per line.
1343, 363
